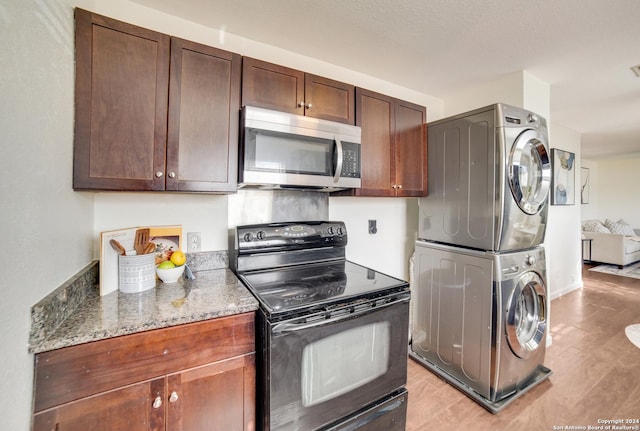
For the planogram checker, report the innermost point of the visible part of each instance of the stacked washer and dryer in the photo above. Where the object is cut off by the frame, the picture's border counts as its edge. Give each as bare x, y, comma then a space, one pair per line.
479, 312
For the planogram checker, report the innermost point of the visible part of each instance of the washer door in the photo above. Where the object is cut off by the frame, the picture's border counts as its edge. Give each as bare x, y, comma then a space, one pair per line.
529, 171
526, 317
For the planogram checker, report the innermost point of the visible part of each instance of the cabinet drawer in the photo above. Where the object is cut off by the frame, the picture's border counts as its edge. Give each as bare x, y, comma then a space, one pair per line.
71, 373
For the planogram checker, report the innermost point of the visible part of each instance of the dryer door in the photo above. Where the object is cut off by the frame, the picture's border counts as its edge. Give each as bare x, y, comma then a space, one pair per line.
529, 171
526, 317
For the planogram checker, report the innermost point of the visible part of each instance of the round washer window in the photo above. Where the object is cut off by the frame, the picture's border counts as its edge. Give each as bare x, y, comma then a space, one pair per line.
529, 171
526, 316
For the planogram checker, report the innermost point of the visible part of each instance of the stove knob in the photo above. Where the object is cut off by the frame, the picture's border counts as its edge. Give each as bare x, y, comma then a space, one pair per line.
340, 231
261, 235
330, 230
248, 237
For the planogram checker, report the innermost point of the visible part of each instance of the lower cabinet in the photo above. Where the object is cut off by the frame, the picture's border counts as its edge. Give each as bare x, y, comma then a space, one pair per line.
191, 377
213, 397
128, 408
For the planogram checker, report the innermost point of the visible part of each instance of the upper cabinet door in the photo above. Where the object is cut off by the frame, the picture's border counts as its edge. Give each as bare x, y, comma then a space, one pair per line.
204, 104
122, 81
329, 99
410, 149
394, 147
375, 115
135, 129
271, 86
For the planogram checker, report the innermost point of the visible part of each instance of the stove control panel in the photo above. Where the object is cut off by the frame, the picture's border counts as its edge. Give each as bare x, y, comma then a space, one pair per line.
291, 235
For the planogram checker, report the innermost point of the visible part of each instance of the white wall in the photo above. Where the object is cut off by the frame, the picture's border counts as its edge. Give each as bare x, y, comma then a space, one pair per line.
536, 96
46, 228
206, 214
589, 211
564, 231
505, 89
519, 88
391, 247
616, 192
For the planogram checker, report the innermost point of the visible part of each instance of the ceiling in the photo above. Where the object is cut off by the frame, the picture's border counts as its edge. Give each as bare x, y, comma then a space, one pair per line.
583, 49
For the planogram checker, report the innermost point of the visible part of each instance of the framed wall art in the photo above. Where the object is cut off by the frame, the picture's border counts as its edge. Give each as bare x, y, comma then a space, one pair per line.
584, 190
563, 178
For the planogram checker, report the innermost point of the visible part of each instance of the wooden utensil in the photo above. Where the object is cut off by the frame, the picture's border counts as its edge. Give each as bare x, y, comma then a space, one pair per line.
141, 240
118, 247
149, 248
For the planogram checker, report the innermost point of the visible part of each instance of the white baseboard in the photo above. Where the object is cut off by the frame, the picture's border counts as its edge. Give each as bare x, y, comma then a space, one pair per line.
565, 290
558, 294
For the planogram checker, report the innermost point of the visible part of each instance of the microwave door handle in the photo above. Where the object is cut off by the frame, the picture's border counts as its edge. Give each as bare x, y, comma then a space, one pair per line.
289, 327
339, 159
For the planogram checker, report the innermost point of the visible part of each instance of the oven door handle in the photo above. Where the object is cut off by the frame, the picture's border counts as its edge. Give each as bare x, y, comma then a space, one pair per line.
358, 310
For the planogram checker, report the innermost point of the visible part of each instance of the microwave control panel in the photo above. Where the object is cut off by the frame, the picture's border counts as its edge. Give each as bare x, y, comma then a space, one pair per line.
350, 160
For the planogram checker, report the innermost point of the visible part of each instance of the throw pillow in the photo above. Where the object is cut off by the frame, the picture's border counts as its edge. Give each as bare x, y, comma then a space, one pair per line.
594, 226
619, 228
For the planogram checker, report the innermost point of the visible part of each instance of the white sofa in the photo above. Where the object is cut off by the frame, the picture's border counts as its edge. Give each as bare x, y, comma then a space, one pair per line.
616, 244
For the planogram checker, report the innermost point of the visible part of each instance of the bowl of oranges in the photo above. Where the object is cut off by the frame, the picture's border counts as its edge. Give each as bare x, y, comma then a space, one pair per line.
169, 271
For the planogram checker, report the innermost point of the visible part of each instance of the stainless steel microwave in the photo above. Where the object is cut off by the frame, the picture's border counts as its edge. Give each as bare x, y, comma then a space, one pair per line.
279, 150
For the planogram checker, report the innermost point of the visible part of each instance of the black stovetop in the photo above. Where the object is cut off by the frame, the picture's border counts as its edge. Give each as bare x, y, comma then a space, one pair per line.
299, 267
308, 287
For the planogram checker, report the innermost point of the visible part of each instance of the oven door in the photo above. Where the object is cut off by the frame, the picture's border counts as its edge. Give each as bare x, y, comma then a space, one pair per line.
326, 366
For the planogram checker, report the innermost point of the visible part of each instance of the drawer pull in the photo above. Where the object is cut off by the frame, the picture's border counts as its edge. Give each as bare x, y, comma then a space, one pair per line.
174, 397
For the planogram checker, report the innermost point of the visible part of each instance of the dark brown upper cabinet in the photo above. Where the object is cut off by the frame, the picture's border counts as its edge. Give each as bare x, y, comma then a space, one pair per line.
153, 112
280, 88
394, 146
204, 105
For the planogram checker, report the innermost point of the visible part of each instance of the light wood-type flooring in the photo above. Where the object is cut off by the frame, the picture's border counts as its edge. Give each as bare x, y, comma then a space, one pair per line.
596, 370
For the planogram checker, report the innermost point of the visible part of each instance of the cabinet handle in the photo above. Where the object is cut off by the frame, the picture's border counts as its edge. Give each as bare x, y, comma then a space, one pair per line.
159, 174
399, 186
172, 175
174, 397
394, 187
309, 106
301, 104
157, 402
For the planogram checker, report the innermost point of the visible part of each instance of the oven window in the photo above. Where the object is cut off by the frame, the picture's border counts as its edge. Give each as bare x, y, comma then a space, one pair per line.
342, 362
281, 152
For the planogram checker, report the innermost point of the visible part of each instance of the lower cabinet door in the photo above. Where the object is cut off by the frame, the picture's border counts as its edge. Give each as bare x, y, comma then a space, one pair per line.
133, 408
218, 396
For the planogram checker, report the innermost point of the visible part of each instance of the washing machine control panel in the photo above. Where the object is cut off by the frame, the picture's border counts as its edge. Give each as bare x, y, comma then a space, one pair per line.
530, 260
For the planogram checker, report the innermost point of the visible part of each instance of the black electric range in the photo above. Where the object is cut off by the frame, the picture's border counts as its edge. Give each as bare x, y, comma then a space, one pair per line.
331, 335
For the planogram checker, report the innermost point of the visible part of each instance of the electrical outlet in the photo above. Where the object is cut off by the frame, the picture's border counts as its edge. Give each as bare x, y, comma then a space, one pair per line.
373, 227
193, 242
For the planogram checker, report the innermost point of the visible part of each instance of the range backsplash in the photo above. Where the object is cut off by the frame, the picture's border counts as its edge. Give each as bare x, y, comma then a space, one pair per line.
269, 206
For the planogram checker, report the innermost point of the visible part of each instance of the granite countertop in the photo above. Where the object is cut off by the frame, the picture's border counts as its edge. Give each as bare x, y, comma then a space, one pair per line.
214, 293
